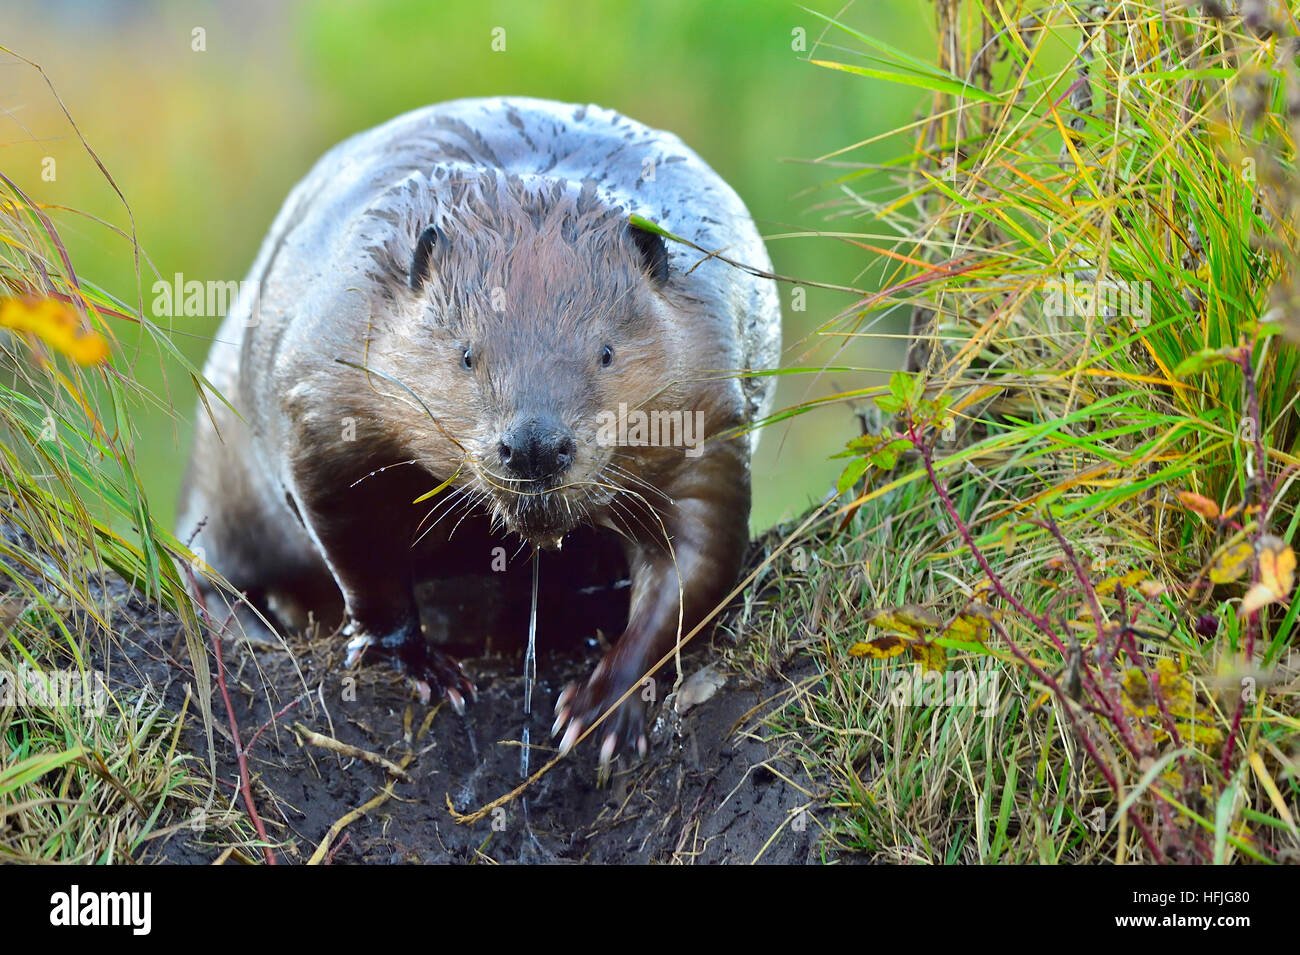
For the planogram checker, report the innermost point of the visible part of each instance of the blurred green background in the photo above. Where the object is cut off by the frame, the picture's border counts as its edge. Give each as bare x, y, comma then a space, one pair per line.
205, 144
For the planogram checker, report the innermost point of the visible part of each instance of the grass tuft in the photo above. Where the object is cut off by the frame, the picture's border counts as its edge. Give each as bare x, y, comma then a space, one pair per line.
1054, 611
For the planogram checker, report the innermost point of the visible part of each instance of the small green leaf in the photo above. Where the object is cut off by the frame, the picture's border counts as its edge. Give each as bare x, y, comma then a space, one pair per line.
851, 474
900, 385
1203, 359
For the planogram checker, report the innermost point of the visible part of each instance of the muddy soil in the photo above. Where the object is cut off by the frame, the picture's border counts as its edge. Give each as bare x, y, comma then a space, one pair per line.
712, 790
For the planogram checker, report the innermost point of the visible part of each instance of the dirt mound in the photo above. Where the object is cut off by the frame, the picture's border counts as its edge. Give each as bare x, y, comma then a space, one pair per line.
710, 791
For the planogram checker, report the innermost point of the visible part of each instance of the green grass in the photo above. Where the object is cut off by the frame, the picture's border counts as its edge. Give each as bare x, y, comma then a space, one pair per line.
1155, 149
91, 778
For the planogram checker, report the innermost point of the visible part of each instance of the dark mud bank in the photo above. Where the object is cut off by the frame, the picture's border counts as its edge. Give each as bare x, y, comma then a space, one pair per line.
711, 790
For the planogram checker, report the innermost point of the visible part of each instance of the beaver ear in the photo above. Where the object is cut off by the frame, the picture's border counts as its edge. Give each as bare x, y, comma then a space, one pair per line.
429, 239
654, 254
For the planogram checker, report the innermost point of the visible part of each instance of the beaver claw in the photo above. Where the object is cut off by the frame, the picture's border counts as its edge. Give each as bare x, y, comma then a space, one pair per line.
579, 707
425, 666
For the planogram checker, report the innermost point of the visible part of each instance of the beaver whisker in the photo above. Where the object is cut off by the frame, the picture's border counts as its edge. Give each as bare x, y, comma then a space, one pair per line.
620, 507
504, 479
623, 498
633, 476
456, 526
420, 529
455, 494
639, 481
463, 497
381, 470
490, 478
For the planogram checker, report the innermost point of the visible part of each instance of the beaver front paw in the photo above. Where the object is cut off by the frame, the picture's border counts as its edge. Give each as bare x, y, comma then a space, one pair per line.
427, 667
579, 707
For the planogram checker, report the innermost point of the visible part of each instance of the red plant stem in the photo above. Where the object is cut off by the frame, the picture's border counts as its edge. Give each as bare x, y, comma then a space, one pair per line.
1041, 622
1081, 734
252, 740
1265, 496
1107, 689
329, 858
240, 753
1044, 624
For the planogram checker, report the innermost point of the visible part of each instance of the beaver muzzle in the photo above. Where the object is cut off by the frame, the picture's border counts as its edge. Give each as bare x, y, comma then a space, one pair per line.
536, 449
535, 454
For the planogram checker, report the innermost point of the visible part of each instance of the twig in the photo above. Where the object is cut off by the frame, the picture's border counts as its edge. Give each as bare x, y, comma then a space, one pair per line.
241, 755
344, 749
252, 741
1264, 493
1044, 623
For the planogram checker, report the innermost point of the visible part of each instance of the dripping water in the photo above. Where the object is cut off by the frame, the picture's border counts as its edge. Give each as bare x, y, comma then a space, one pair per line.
530, 671
530, 677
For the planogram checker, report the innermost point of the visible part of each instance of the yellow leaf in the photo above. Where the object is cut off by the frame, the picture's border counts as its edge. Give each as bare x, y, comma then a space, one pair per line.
931, 656
1175, 688
908, 619
970, 626
1127, 581
55, 324
1150, 589
1276, 565
1199, 732
882, 648
1009, 540
1231, 562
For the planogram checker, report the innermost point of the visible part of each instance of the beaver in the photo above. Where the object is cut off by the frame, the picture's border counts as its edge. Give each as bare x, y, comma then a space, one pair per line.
468, 299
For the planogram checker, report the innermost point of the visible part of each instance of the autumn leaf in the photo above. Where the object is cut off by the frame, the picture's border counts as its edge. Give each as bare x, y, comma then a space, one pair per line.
1276, 564
1231, 562
931, 656
55, 324
1201, 505
1175, 688
882, 648
908, 619
971, 626
1008, 540
1127, 581
1150, 589
1276, 575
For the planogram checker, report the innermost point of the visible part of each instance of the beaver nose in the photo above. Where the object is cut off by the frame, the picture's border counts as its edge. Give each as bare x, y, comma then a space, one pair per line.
536, 449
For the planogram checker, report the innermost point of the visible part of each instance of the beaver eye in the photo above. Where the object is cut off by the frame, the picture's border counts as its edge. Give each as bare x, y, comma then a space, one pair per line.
606, 356
467, 360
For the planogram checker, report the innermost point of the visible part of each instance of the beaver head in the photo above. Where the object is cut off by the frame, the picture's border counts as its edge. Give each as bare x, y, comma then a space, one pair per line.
537, 310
